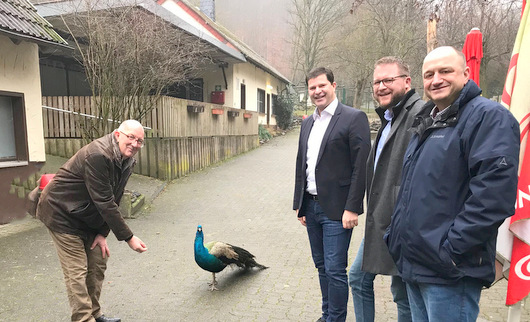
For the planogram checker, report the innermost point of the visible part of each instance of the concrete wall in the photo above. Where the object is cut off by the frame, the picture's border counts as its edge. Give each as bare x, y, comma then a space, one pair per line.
19, 72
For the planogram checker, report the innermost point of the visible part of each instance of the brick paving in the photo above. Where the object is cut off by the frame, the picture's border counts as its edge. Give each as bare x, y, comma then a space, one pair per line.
245, 201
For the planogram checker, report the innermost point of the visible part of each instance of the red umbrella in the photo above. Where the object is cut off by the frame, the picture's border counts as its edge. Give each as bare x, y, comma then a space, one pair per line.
473, 51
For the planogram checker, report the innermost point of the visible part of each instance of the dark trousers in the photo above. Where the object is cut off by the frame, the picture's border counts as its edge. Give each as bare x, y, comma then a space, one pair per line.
329, 247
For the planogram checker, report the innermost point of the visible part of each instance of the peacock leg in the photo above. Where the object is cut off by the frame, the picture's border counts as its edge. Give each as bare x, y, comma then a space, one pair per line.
213, 284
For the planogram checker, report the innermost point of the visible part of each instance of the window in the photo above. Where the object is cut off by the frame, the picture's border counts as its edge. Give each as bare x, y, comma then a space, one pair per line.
243, 96
261, 101
13, 139
273, 104
191, 90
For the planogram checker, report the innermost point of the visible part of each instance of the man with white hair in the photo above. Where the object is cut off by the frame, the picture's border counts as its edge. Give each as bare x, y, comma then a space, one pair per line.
80, 207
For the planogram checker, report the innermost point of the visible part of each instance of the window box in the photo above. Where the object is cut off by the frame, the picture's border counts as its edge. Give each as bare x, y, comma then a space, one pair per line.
195, 108
233, 113
217, 111
247, 115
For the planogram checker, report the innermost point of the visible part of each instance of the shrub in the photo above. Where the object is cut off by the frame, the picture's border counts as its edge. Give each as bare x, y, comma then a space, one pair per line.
283, 109
264, 134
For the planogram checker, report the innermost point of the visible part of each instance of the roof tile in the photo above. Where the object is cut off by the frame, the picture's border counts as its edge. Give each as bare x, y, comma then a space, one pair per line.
21, 17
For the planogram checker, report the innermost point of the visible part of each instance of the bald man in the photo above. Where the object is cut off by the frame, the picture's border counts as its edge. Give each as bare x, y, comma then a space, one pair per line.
459, 183
80, 207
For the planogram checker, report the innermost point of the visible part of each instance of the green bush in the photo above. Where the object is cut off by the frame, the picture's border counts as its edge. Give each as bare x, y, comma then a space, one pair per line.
264, 134
283, 109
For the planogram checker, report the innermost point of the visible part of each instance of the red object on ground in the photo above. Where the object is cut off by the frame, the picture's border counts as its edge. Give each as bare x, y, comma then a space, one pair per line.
45, 179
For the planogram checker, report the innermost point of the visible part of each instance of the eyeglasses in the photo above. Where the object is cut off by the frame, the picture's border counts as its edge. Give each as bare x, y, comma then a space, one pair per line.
131, 137
387, 81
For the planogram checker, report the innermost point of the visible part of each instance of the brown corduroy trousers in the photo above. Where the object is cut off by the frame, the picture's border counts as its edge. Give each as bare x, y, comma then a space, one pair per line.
84, 272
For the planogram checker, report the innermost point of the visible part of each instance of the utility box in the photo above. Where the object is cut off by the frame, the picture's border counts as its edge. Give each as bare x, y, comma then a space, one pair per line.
218, 97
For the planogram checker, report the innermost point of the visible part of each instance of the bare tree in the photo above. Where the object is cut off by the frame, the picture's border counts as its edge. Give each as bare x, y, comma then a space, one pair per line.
376, 29
130, 57
312, 22
498, 21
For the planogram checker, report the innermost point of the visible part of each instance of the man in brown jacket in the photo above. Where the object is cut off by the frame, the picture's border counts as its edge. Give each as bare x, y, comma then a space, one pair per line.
80, 207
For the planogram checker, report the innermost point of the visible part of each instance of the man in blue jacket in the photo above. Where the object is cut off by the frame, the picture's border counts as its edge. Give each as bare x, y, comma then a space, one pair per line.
459, 183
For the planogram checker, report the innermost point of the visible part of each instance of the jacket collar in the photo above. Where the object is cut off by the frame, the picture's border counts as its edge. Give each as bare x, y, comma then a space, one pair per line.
423, 120
397, 108
118, 158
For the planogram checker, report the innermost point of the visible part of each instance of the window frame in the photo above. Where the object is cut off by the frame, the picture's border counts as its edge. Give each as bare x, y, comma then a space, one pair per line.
261, 103
274, 98
20, 128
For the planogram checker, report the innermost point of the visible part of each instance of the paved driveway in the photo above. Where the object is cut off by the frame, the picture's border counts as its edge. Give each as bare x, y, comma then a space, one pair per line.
245, 201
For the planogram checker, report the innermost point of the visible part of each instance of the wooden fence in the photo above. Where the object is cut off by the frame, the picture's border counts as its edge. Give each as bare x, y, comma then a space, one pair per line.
185, 136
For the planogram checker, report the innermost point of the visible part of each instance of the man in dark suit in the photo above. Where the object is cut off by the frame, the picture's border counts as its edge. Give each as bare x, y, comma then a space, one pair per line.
329, 186
398, 105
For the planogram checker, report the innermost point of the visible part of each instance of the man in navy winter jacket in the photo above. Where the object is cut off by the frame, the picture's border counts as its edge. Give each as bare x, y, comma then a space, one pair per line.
459, 183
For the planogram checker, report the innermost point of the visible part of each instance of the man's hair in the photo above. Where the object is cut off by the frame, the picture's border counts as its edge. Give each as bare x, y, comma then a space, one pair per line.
403, 67
129, 124
314, 73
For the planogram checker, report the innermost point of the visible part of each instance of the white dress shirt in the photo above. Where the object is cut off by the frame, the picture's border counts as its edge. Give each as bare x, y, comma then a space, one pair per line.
382, 140
320, 124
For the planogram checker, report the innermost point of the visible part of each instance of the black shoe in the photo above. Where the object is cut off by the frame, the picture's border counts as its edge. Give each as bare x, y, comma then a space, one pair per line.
321, 319
106, 319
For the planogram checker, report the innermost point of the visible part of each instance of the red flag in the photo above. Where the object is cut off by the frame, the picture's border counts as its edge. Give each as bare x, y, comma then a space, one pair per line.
517, 98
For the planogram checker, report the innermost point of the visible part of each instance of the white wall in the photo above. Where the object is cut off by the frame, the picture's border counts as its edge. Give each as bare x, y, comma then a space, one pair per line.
254, 77
19, 73
212, 77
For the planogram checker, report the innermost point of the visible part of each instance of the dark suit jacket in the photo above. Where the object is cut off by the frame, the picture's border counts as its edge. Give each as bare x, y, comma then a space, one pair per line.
341, 164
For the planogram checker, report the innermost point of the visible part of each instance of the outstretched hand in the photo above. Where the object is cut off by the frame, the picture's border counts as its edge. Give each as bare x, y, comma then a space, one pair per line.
101, 241
137, 244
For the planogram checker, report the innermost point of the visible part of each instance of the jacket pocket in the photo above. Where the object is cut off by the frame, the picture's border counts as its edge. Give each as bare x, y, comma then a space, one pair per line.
79, 209
449, 268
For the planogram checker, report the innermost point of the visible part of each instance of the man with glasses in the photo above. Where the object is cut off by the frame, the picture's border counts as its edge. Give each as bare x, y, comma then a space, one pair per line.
398, 104
80, 207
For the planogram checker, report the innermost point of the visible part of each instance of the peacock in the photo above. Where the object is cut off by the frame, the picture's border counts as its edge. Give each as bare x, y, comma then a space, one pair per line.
215, 256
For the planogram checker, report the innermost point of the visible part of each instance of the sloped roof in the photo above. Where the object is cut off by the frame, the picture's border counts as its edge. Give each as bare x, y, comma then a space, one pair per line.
248, 52
19, 19
53, 10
